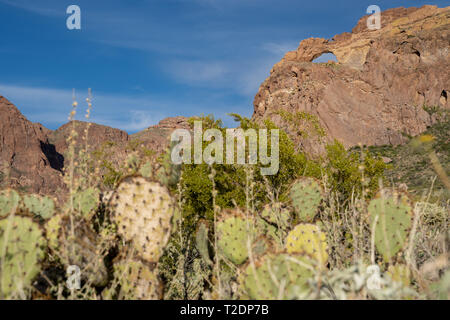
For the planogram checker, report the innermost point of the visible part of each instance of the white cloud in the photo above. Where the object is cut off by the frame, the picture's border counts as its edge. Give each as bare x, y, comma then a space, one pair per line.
42, 7
198, 72
52, 107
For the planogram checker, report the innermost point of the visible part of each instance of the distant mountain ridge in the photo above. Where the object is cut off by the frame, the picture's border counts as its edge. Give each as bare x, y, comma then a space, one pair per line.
34, 155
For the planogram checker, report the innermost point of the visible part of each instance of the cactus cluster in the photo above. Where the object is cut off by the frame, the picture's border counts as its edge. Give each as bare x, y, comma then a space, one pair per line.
277, 263
391, 219
22, 248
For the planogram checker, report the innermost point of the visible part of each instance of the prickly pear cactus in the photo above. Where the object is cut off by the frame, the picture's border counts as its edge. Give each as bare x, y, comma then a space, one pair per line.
277, 277
137, 281
234, 231
400, 273
143, 210
21, 250
52, 230
9, 201
271, 232
307, 238
262, 245
306, 195
75, 243
85, 201
40, 206
276, 214
392, 213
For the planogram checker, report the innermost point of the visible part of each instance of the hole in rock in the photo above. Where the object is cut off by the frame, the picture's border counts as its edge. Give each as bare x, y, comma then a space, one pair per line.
325, 57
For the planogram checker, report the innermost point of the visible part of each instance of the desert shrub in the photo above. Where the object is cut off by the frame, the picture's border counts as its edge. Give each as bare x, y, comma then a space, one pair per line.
353, 172
231, 180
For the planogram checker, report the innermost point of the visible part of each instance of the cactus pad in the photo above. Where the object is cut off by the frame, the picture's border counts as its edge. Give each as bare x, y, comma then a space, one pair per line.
9, 201
393, 216
22, 248
277, 215
400, 273
143, 210
137, 281
40, 206
306, 195
307, 238
277, 277
233, 232
86, 201
75, 243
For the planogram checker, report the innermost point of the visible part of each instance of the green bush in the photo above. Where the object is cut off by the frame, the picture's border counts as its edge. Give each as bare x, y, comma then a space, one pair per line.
353, 172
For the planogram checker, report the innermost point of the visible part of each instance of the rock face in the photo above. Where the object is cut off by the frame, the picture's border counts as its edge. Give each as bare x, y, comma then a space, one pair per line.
27, 159
376, 92
32, 158
157, 137
97, 138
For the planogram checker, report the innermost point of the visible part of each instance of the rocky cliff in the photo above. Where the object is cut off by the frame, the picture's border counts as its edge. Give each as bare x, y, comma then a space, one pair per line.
32, 157
377, 91
26, 155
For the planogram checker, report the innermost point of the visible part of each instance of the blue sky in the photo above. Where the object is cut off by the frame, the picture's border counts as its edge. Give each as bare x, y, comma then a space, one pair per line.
149, 59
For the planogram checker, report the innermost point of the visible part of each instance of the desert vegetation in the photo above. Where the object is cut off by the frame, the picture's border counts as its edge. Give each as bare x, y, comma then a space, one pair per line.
338, 226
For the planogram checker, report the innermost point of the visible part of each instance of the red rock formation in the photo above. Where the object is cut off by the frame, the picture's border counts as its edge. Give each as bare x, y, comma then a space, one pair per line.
376, 91
26, 153
157, 137
97, 136
33, 158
